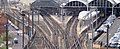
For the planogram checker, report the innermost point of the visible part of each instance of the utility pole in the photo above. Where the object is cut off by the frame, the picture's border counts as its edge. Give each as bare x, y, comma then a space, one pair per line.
4, 6
32, 21
107, 35
92, 29
23, 15
107, 25
7, 33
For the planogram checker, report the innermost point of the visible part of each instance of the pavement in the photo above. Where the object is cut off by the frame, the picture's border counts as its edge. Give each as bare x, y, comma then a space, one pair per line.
13, 32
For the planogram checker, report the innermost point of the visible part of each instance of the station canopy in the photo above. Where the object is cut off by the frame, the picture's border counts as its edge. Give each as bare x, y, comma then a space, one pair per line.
75, 3
114, 1
117, 5
45, 3
100, 3
83, 1
88, 1
13, 1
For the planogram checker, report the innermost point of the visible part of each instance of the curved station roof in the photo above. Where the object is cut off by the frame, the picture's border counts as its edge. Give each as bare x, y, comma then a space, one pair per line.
83, 1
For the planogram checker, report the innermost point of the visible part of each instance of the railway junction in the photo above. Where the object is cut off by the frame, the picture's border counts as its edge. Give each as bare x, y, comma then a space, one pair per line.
59, 24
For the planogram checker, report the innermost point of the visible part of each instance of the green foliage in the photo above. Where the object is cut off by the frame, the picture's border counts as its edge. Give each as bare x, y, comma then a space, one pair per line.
3, 37
4, 47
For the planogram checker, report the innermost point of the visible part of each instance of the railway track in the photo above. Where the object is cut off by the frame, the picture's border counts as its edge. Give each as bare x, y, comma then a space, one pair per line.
45, 41
57, 31
74, 41
71, 27
39, 29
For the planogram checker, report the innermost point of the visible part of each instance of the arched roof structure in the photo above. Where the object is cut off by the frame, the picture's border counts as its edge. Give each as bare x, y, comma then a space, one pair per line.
117, 5
45, 3
83, 1
75, 3
117, 9
101, 3
114, 1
